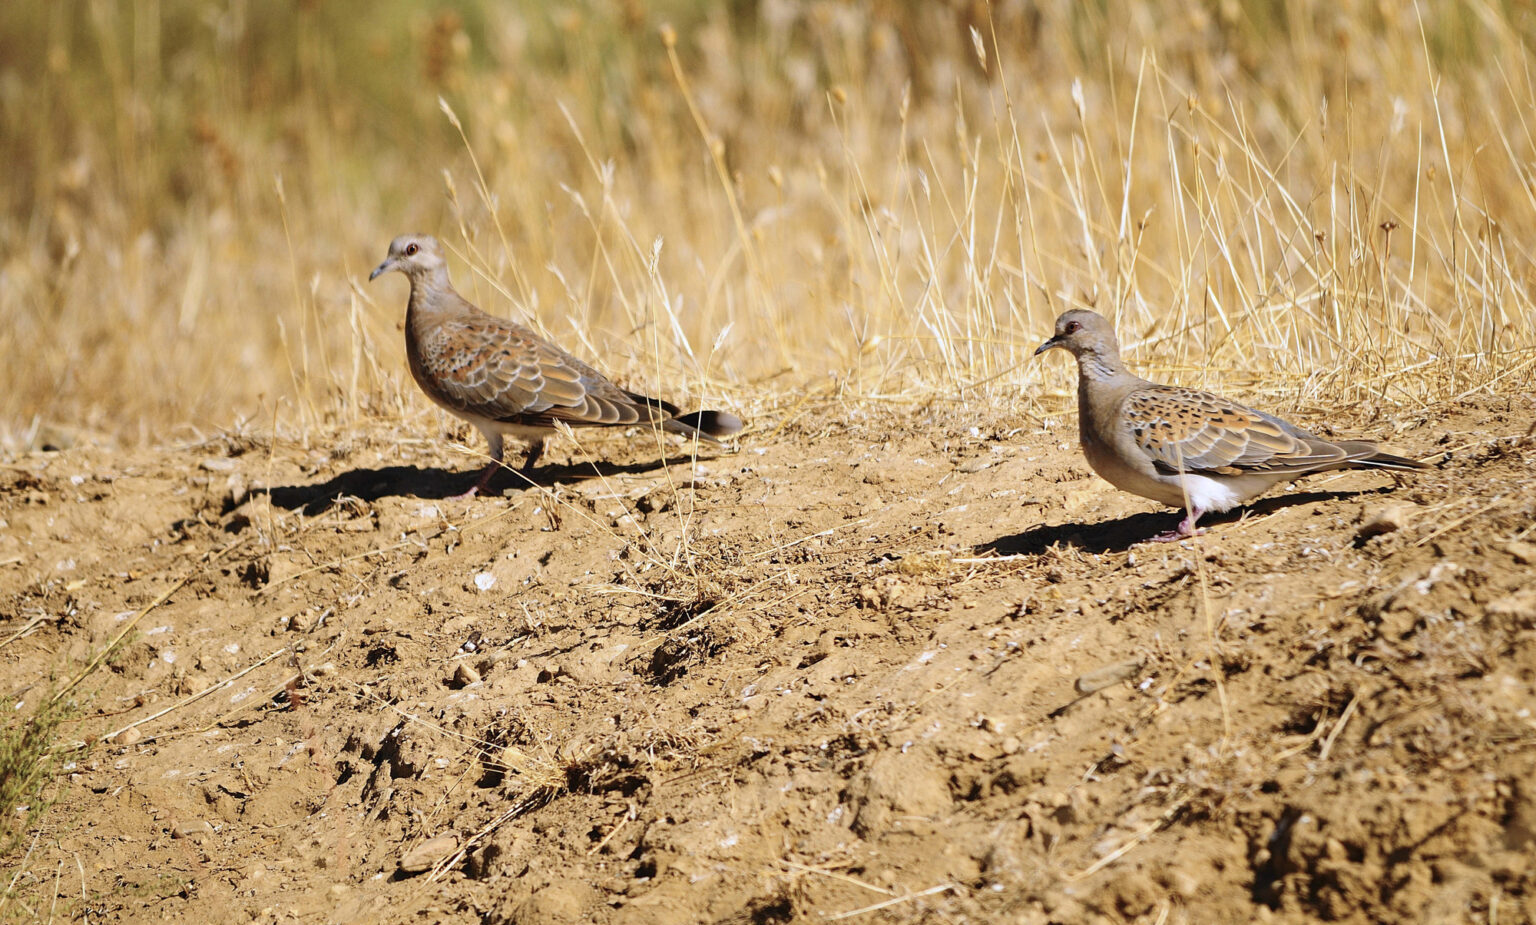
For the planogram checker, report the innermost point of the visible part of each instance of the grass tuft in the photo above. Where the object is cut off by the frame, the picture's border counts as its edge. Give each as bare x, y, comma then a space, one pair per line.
28, 761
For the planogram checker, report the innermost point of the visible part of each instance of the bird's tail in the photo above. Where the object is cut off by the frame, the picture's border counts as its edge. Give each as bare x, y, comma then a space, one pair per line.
1372, 458
713, 426
709, 426
656, 404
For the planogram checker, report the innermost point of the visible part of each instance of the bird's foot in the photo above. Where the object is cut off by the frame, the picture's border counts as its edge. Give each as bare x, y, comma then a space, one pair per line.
1183, 531
1173, 536
480, 485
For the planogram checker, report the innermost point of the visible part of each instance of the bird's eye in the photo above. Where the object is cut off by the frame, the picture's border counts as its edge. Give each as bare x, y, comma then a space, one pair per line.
1073, 327
411, 249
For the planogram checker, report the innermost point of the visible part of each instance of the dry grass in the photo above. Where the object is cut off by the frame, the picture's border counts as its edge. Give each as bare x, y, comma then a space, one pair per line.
30, 763
1329, 198
27, 764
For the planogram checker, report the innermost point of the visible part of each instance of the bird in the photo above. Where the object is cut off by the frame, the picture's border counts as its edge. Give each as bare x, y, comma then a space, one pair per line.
1183, 447
508, 381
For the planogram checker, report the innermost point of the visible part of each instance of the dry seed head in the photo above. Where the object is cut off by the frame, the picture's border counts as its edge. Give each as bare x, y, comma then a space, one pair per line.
668, 36
981, 48
839, 95
453, 118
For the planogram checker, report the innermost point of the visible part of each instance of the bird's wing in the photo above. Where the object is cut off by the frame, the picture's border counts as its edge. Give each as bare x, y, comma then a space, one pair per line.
1192, 431
494, 368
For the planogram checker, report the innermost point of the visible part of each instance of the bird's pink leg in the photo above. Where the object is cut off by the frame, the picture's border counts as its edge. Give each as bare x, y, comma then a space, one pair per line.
535, 450
1184, 531
485, 479
489, 472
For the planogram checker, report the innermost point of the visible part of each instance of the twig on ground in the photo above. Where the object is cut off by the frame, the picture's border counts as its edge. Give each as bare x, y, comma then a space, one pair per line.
197, 696
941, 888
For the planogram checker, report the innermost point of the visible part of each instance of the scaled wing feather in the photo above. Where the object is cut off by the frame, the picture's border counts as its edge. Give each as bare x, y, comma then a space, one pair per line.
1193, 431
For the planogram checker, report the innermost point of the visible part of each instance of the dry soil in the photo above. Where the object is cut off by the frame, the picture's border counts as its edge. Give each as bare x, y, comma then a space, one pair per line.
876, 666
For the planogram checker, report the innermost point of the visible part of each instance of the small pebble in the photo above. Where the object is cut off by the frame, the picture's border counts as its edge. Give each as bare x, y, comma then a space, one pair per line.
1108, 676
1390, 519
1524, 553
421, 858
190, 829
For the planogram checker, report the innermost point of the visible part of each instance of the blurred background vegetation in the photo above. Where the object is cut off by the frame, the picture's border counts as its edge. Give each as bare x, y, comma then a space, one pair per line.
756, 199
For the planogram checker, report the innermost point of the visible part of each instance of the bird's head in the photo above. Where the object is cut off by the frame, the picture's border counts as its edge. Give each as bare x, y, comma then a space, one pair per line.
1080, 332
418, 256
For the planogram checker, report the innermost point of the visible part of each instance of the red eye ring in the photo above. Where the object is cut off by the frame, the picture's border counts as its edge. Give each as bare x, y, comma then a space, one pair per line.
411, 249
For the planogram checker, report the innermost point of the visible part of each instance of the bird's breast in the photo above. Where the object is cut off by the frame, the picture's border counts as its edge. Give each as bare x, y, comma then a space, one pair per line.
1114, 455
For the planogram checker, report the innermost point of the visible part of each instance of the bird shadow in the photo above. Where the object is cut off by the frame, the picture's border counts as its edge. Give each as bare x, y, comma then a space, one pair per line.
437, 484
1122, 533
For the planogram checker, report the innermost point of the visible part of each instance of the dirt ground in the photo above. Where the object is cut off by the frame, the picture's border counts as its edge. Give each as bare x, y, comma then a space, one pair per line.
876, 666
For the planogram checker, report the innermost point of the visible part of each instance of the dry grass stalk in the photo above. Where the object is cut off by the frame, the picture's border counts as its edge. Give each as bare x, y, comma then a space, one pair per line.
876, 225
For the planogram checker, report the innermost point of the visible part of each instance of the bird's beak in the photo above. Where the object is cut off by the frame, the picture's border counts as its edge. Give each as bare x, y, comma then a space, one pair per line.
384, 267
1053, 342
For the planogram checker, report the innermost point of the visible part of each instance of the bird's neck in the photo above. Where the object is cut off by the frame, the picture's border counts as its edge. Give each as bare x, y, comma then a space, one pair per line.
1102, 384
430, 293
1095, 367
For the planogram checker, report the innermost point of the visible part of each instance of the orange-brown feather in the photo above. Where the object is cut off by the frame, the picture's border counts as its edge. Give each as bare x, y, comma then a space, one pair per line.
1192, 431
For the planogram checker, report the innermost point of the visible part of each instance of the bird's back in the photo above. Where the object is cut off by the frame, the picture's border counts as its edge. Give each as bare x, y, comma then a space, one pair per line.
479, 365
